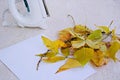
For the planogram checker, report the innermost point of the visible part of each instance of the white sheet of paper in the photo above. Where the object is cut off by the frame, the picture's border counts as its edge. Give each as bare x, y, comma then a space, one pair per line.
21, 60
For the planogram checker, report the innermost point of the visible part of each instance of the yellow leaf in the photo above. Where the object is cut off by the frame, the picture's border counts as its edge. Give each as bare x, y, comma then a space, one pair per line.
53, 59
97, 34
92, 44
70, 63
65, 35
99, 58
53, 45
104, 29
84, 55
80, 28
59, 43
114, 37
65, 51
78, 43
111, 52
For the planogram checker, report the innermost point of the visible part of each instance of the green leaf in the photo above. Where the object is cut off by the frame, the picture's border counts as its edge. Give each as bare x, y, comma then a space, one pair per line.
70, 63
97, 34
84, 55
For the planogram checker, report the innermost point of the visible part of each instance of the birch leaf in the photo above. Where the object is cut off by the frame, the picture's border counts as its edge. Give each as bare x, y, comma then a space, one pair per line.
97, 34
65, 51
104, 29
78, 43
111, 52
53, 59
70, 63
98, 58
84, 55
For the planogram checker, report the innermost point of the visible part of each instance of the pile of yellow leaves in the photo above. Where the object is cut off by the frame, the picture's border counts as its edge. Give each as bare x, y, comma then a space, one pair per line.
80, 45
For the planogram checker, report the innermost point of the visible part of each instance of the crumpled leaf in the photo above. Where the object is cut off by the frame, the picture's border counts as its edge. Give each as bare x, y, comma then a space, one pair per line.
53, 59
97, 34
111, 52
70, 63
84, 55
99, 58
65, 51
104, 29
65, 35
78, 43
53, 45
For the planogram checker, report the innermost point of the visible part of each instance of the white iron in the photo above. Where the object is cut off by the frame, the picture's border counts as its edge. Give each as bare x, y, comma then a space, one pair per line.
36, 13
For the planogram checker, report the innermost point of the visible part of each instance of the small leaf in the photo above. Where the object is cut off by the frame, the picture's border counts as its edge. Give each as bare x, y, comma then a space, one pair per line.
53, 59
59, 43
78, 43
99, 58
114, 37
65, 35
104, 29
65, 51
84, 55
97, 34
111, 52
79, 28
70, 63
92, 44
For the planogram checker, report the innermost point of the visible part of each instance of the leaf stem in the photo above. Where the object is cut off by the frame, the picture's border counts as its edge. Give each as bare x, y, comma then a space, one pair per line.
72, 19
39, 63
110, 24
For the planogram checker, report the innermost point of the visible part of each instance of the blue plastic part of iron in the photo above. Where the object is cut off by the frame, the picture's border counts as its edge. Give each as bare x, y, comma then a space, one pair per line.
27, 6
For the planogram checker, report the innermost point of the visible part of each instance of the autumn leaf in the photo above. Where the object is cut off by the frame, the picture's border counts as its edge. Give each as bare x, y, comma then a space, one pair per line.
70, 63
65, 51
80, 28
111, 52
92, 44
99, 58
65, 35
53, 59
78, 43
97, 34
53, 45
104, 29
84, 55
114, 37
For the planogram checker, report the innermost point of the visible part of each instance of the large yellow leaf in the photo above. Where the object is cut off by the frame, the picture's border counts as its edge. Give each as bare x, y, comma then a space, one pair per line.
70, 63
53, 59
111, 52
53, 45
97, 34
99, 58
84, 55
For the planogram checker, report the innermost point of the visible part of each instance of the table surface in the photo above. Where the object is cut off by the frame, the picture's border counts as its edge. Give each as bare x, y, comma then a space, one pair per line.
87, 12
